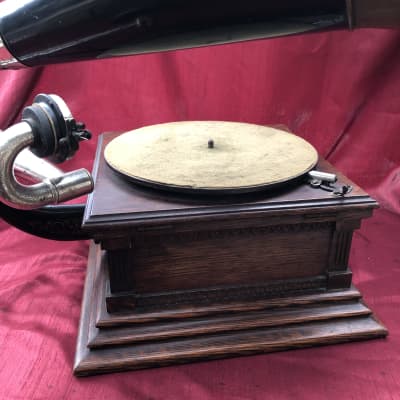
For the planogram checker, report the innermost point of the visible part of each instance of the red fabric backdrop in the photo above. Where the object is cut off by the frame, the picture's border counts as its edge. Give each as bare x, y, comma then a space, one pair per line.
340, 91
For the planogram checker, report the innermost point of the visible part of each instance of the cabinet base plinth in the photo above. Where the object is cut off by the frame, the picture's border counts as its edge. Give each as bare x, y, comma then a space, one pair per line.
126, 343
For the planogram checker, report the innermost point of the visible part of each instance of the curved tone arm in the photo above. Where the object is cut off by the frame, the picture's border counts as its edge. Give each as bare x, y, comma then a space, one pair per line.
62, 222
49, 130
49, 191
30, 168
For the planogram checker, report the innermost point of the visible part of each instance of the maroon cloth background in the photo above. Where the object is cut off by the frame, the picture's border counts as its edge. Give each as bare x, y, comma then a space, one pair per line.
340, 91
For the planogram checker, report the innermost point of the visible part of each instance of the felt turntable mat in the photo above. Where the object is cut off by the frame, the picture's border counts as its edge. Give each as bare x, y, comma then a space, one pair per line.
210, 155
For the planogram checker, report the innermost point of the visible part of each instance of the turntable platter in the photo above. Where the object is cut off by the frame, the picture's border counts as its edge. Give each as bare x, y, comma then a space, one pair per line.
210, 157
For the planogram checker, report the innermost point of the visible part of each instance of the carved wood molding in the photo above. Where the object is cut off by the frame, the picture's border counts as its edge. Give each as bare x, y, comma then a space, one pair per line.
340, 250
240, 232
230, 294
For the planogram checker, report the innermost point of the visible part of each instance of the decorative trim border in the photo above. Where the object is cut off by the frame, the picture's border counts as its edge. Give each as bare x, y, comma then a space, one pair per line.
208, 296
239, 232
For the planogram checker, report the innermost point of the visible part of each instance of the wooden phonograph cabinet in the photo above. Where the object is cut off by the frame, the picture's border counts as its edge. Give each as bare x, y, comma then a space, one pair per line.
174, 279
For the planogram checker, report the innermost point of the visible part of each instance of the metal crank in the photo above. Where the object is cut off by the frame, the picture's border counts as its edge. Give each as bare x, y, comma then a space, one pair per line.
327, 182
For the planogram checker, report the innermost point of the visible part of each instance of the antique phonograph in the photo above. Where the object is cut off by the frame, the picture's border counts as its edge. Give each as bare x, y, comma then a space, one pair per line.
210, 239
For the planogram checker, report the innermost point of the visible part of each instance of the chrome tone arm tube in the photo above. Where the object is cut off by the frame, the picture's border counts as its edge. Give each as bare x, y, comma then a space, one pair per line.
30, 168
50, 191
33, 169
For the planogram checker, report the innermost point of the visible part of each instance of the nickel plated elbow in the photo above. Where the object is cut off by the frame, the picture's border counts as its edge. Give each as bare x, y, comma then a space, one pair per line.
48, 128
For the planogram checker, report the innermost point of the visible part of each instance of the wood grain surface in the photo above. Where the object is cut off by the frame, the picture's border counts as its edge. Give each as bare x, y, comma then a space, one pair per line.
118, 205
340, 318
177, 279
